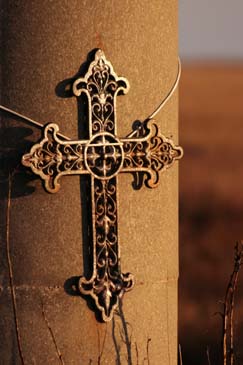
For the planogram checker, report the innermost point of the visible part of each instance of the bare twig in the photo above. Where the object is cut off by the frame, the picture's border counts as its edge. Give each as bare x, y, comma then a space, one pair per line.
126, 335
10, 270
180, 355
121, 333
148, 342
167, 318
228, 314
101, 350
137, 354
58, 352
117, 347
237, 266
225, 322
208, 356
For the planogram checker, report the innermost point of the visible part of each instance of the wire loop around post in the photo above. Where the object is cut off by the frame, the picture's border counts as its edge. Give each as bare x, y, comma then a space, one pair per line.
151, 116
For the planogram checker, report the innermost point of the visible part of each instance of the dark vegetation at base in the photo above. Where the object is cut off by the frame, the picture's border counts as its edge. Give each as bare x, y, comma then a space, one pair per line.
228, 350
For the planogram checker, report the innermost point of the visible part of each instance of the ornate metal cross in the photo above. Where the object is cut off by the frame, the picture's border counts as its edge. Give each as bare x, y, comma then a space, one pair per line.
103, 156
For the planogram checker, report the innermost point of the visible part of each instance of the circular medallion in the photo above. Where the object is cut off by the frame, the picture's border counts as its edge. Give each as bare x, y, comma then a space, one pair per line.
103, 156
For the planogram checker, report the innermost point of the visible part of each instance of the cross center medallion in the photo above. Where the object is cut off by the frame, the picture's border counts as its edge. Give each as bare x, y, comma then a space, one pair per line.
103, 156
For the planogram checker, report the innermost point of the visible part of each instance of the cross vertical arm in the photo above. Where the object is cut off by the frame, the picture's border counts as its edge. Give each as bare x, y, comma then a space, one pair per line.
101, 86
104, 157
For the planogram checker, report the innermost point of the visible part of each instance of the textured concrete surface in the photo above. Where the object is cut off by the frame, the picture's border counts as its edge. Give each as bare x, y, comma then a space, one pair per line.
44, 44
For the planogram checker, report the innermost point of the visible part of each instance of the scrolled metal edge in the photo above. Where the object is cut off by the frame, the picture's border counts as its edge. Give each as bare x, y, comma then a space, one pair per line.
27, 159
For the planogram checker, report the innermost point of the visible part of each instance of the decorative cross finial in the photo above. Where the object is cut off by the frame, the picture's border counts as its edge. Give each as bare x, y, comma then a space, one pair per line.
103, 156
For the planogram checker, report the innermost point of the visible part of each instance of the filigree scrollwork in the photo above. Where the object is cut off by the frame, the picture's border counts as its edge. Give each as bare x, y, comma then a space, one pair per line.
52, 158
101, 85
149, 153
107, 283
103, 156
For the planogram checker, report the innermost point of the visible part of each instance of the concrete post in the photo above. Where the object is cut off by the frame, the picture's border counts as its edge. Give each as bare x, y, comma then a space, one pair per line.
42, 320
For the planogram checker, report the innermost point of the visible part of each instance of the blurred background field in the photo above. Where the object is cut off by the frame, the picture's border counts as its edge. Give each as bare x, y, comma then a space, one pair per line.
211, 174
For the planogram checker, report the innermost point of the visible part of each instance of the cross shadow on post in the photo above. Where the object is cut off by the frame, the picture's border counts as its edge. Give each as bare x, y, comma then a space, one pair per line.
15, 141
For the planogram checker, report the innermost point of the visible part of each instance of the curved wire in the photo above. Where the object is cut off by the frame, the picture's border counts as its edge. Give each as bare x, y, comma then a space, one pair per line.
151, 116
29, 120
170, 93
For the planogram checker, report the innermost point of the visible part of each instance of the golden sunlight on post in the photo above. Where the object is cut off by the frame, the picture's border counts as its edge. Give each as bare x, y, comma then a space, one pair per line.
90, 266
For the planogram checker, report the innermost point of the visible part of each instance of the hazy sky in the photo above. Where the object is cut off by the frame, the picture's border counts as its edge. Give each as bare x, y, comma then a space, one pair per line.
211, 29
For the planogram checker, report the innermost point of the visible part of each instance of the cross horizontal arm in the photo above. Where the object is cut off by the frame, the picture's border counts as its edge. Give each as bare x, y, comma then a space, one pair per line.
149, 152
52, 158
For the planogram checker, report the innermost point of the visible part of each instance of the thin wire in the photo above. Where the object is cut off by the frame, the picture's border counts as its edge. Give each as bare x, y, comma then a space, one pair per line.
164, 101
170, 93
29, 120
151, 116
